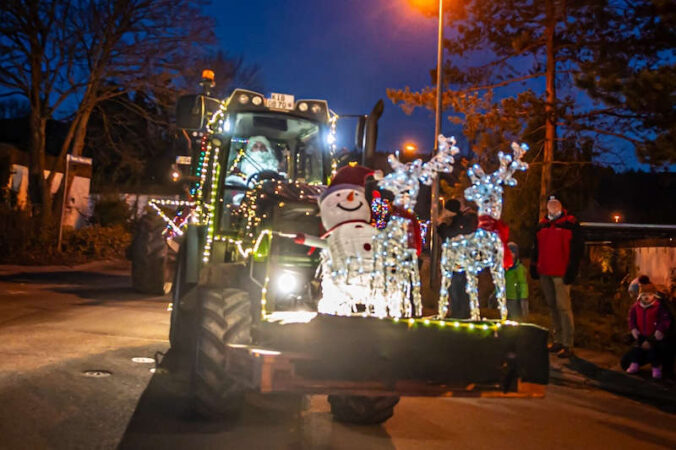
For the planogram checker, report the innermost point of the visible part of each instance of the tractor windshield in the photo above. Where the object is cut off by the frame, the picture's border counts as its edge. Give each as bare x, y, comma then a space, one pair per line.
272, 145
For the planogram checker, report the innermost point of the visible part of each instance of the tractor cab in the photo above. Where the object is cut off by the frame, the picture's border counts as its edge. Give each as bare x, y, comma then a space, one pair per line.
261, 165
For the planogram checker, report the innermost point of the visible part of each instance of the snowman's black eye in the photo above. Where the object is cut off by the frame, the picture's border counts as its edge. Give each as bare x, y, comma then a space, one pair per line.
337, 195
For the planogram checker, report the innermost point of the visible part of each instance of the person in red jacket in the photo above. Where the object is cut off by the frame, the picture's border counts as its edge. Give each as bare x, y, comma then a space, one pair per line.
649, 321
557, 249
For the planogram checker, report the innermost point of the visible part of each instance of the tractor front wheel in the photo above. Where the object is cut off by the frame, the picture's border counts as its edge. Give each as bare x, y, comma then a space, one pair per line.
362, 410
224, 318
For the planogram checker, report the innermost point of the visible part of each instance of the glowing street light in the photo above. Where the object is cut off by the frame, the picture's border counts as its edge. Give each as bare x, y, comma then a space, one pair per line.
617, 217
410, 148
434, 197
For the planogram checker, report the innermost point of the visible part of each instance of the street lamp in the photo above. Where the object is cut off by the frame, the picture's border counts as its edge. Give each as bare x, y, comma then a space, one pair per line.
617, 217
434, 196
410, 148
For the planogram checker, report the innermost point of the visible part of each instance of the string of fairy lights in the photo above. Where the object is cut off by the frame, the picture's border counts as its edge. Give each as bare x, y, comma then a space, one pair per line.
412, 322
483, 249
395, 278
176, 228
332, 140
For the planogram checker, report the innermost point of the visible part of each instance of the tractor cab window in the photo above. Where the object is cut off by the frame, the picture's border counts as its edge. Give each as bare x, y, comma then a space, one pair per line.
269, 145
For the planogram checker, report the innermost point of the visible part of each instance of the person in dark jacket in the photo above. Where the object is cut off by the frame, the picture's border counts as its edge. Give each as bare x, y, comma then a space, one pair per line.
555, 258
649, 321
456, 219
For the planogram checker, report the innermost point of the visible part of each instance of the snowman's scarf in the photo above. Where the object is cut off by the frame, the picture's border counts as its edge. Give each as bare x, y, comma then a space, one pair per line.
325, 235
332, 229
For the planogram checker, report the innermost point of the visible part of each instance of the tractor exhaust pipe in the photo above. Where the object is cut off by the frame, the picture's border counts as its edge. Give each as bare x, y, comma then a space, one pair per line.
367, 133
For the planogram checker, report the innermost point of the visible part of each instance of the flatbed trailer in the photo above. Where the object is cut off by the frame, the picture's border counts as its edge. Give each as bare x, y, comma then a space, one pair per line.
335, 355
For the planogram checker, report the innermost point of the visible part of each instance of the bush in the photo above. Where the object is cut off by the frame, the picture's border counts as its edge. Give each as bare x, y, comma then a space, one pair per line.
23, 241
110, 210
96, 242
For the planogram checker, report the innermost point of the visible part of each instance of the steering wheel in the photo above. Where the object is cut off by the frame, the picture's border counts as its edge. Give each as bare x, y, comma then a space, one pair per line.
264, 175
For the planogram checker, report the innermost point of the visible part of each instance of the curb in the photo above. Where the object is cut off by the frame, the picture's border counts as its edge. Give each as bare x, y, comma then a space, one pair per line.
584, 374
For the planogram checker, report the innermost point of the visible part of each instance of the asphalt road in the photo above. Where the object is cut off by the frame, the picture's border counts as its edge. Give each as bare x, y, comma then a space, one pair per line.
58, 325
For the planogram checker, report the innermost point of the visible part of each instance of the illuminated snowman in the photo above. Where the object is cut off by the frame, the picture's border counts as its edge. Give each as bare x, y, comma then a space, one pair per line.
347, 244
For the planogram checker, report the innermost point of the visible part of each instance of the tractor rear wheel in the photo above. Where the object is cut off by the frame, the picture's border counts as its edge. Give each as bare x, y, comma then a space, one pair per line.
149, 255
362, 410
224, 317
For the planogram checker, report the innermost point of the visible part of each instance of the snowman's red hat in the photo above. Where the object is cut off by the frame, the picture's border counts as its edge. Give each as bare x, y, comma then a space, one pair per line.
352, 176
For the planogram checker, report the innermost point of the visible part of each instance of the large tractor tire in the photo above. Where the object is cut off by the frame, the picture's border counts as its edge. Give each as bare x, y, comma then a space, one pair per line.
149, 257
224, 317
362, 410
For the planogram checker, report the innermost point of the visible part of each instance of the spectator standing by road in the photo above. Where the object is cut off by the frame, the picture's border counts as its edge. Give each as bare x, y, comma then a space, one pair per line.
557, 249
649, 321
516, 286
457, 219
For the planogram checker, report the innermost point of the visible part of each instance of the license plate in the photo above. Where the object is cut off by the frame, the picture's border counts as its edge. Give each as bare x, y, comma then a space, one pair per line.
280, 101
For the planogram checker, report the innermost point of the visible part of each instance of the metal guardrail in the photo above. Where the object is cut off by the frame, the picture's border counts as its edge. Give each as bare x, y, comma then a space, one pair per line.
628, 226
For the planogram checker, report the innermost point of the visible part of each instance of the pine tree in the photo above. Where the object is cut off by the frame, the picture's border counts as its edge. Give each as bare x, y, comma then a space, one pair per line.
526, 70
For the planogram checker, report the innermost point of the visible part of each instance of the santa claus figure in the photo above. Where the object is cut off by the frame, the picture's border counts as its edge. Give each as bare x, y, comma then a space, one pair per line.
347, 242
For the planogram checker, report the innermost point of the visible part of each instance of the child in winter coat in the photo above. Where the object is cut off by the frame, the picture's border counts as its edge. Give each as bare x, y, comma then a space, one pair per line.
649, 321
516, 286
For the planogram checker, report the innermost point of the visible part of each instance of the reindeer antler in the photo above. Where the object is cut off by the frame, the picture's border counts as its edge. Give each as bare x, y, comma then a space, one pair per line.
404, 181
509, 166
486, 190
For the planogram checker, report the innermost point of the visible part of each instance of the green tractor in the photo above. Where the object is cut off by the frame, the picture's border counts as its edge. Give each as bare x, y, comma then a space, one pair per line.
244, 312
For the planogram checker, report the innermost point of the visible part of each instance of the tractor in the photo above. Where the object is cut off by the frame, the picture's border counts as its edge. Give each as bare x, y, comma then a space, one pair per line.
244, 297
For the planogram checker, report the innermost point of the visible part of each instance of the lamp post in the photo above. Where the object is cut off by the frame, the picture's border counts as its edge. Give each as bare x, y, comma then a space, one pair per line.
434, 198
410, 148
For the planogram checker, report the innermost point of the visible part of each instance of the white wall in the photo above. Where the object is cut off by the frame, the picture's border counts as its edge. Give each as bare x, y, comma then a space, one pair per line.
77, 204
656, 262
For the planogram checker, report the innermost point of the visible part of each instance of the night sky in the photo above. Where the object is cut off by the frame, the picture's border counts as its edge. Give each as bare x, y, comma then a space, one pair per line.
345, 51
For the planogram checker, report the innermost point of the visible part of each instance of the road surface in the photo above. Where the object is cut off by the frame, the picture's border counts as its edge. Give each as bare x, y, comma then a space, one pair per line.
68, 380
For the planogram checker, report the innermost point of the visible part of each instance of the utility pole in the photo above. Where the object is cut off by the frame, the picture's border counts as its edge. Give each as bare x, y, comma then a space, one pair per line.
435, 252
550, 106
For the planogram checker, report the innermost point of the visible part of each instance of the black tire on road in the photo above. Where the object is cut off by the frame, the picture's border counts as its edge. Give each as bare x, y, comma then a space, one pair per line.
362, 410
224, 318
149, 254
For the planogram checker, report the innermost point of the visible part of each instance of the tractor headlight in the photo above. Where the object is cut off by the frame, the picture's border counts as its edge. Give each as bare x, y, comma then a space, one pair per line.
288, 283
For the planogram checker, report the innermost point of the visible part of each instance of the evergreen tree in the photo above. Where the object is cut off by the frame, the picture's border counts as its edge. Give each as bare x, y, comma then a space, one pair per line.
525, 70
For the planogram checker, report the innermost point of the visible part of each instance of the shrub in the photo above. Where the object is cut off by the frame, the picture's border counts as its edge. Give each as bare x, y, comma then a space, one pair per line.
22, 241
110, 210
96, 242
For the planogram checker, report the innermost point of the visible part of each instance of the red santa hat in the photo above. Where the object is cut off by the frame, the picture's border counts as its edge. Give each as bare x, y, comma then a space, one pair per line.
352, 176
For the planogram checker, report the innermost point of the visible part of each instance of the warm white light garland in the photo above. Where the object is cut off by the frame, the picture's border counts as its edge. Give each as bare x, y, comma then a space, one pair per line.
482, 249
395, 280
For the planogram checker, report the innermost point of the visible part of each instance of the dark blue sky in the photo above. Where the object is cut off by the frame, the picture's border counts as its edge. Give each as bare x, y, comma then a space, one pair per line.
349, 52
345, 51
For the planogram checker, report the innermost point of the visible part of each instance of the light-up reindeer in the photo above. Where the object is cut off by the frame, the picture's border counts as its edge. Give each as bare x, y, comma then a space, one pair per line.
395, 288
485, 247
